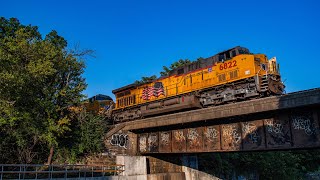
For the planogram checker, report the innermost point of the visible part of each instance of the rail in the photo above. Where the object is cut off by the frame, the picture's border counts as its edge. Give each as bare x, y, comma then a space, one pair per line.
40, 171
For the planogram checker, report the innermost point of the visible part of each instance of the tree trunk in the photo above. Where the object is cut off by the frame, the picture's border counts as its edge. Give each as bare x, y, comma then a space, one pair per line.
50, 156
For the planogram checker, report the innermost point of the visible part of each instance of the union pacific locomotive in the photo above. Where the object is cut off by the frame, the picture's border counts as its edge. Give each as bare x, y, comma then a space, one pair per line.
99, 104
229, 76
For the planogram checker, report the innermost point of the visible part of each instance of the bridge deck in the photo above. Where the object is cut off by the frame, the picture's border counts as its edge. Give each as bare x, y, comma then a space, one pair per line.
287, 101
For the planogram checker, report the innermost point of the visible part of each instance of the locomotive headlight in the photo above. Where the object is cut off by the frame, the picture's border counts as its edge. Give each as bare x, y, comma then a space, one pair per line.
247, 72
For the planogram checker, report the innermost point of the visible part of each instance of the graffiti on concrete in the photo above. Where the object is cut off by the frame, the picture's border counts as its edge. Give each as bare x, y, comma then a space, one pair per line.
164, 138
193, 137
211, 133
211, 137
179, 135
153, 142
143, 144
248, 127
251, 131
305, 123
120, 140
192, 134
273, 127
230, 133
179, 140
278, 131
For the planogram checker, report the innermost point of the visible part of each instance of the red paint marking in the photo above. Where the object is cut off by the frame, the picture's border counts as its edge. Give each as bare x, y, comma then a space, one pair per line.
228, 65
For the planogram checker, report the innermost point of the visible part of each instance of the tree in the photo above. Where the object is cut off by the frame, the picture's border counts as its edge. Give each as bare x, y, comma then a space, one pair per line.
86, 136
173, 66
146, 79
39, 80
278, 164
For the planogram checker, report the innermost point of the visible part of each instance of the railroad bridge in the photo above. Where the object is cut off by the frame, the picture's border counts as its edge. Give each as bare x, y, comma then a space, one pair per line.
289, 121
279, 122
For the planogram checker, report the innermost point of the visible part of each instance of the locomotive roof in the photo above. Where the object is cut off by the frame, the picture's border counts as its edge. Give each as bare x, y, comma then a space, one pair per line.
229, 50
124, 88
100, 97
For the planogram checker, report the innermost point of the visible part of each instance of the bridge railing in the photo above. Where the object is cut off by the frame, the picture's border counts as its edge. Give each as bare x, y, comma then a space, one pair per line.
40, 171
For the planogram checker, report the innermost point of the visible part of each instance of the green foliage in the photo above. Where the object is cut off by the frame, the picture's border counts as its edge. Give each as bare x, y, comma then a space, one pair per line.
86, 137
268, 165
173, 66
177, 64
146, 79
39, 80
167, 70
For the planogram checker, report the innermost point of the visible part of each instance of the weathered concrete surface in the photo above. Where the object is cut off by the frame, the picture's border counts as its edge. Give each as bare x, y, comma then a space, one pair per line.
167, 164
114, 129
134, 177
166, 176
160, 176
194, 174
121, 143
293, 100
186, 164
134, 165
151, 168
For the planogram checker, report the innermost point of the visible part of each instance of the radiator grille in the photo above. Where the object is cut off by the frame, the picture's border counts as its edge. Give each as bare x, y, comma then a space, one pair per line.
233, 74
222, 77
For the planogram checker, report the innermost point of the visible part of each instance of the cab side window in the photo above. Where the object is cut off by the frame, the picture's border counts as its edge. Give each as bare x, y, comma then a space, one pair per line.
228, 55
233, 53
221, 58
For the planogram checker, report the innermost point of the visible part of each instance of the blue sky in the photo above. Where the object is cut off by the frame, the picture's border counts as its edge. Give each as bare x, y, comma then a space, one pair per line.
132, 39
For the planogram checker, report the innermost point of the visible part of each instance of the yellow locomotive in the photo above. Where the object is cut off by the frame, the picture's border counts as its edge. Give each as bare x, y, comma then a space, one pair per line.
229, 76
99, 104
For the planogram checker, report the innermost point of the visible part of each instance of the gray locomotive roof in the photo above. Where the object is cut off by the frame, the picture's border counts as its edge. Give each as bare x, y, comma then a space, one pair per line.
100, 97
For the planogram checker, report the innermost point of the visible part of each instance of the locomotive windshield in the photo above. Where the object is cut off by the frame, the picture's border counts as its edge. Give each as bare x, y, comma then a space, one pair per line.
100, 97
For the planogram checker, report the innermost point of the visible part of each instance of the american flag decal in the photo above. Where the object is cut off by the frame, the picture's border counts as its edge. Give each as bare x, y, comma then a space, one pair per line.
155, 90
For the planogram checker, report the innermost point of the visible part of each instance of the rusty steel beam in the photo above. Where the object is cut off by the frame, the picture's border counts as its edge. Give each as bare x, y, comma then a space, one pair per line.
275, 103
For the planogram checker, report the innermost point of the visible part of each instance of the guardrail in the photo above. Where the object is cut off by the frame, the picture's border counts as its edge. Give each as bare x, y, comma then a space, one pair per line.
40, 171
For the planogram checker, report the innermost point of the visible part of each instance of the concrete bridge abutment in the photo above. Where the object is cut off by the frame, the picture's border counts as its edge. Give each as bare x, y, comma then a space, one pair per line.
176, 167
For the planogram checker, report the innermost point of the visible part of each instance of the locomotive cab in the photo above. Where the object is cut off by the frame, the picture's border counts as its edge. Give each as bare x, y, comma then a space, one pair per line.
273, 66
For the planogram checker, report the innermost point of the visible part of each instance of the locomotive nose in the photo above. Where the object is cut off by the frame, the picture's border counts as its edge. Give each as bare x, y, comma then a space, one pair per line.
276, 87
